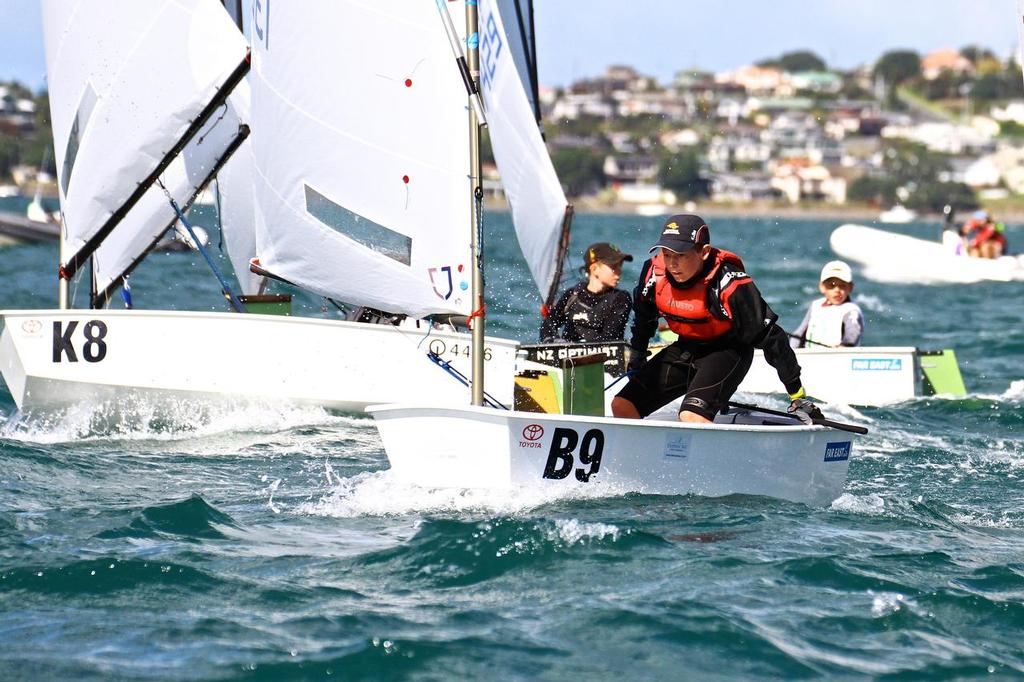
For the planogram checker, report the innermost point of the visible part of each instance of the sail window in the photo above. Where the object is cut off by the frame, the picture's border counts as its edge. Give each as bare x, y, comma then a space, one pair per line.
85, 109
372, 235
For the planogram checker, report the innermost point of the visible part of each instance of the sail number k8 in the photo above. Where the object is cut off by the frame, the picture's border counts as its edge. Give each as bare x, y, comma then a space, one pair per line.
93, 348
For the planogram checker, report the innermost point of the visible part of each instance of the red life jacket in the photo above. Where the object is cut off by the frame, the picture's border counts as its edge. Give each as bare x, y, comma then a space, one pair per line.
686, 310
988, 233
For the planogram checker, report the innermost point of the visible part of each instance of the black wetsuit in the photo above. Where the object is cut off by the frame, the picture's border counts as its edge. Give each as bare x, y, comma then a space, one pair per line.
707, 372
587, 316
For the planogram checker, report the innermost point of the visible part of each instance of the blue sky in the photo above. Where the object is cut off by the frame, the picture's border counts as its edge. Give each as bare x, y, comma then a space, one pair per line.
659, 37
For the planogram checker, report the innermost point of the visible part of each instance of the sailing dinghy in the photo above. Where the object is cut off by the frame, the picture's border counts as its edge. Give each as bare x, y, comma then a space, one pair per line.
747, 453
476, 446
865, 375
358, 197
891, 257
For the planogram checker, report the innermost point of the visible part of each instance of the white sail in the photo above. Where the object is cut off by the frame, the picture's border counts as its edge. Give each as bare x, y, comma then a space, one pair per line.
149, 219
531, 185
517, 17
362, 185
126, 79
235, 206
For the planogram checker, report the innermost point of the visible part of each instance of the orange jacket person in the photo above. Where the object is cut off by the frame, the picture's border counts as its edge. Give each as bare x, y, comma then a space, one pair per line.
708, 299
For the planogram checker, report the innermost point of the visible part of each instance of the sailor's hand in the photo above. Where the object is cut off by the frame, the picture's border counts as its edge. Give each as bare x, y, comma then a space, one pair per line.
804, 410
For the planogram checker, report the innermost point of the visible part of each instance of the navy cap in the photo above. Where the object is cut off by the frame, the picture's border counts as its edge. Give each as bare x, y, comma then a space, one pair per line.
682, 233
606, 253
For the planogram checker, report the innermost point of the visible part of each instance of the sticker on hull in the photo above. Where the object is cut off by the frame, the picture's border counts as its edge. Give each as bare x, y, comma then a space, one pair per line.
837, 452
876, 364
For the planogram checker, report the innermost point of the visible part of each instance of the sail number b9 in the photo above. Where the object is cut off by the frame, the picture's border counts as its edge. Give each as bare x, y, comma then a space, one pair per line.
93, 348
563, 453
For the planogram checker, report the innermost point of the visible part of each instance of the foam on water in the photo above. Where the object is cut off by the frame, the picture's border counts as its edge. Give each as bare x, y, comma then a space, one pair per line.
967, 518
887, 603
379, 493
1015, 391
164, 419
572, 531
871, 504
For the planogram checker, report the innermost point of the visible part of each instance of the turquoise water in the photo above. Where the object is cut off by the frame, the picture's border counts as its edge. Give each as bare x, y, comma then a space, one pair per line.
260, 543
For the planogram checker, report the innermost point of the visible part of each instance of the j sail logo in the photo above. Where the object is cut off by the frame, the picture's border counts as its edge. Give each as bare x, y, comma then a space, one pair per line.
837, 452
441, 274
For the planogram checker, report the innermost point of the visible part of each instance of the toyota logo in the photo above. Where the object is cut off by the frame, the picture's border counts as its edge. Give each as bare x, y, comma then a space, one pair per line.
533, 432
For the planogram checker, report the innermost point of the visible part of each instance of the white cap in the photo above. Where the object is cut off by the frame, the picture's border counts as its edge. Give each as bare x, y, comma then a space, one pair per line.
837, 269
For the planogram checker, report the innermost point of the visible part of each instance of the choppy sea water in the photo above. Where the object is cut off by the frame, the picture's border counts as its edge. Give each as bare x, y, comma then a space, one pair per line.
249, 541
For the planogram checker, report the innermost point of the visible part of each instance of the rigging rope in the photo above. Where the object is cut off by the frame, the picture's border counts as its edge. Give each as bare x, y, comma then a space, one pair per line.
489, 400
225, 287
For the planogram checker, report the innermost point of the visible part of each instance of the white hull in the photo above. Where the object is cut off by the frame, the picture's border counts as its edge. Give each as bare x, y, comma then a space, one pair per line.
897, 215
891, 257
863, 375
159, 354
474, 447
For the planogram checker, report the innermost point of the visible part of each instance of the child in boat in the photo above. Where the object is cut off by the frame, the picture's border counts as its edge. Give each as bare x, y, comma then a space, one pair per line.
833, 320
989, 240
593, 310
708, 299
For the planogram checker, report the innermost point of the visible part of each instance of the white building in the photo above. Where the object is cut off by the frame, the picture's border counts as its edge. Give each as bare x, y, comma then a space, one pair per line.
572, 106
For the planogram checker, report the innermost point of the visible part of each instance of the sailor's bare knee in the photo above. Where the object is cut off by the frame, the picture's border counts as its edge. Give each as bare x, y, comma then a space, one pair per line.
624, 408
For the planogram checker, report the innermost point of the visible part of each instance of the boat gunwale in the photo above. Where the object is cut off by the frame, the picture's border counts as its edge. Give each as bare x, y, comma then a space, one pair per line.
506, 415
248, 317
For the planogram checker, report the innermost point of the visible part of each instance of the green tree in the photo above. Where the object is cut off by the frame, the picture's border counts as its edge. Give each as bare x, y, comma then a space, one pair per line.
583, 126
898, 66
581, 170
872, 190
681, 174
801, 60
30, 148
641, 125
988, 87
912, 164
17, 90
933, 196
976, 53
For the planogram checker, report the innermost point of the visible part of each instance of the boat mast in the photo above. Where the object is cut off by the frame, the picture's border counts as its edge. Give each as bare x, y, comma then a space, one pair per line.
469, 69
62, 283
476, 241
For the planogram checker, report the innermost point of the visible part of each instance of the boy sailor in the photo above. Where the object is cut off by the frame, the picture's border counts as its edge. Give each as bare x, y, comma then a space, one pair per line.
708, 299
832, 320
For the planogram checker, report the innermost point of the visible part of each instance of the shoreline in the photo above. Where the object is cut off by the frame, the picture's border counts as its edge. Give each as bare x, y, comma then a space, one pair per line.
585, 205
